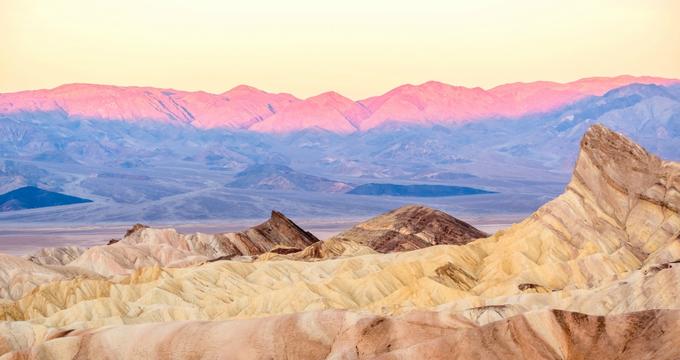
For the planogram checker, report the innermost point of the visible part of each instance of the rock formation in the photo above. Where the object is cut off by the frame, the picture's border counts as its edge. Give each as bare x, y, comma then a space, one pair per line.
584, 276
144, 246
411, 227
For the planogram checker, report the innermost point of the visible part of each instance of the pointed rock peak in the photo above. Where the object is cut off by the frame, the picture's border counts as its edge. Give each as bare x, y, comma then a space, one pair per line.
281, 230
608, 147
618, 173
278, 216
278, 220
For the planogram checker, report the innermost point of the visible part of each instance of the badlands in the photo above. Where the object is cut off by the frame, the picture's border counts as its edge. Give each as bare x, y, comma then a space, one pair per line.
594, 273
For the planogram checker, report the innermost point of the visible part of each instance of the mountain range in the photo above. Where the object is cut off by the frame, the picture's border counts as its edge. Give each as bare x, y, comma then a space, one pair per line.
245, 107
160, 171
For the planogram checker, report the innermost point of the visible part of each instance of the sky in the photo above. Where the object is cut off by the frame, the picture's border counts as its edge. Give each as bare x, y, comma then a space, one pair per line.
359, 48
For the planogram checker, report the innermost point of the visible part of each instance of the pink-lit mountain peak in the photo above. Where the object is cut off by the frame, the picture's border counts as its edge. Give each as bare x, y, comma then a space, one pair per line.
330, 98
328, 111
423, 91
430, 102
248, 92
238, 108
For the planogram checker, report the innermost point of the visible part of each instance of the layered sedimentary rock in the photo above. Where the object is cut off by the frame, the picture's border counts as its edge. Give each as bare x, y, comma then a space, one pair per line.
411, 227
144, 246
407, 228
608, 246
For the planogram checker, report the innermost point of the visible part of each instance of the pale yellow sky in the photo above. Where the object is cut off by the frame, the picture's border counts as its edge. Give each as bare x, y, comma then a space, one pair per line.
356, 47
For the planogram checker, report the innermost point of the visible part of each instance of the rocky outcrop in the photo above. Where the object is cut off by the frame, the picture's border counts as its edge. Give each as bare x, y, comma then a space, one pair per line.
411, 227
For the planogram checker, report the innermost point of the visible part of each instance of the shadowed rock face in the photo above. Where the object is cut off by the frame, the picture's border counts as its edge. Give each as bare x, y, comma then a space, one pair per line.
411, 227
280, 230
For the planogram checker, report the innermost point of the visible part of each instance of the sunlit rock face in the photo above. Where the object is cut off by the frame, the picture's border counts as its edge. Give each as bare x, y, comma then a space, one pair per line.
583, 276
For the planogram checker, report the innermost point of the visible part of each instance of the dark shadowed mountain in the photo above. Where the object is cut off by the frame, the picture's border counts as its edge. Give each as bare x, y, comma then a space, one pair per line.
31, 197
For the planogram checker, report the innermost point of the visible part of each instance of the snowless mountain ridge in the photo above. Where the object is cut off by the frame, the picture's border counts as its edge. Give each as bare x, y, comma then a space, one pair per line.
248, 108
